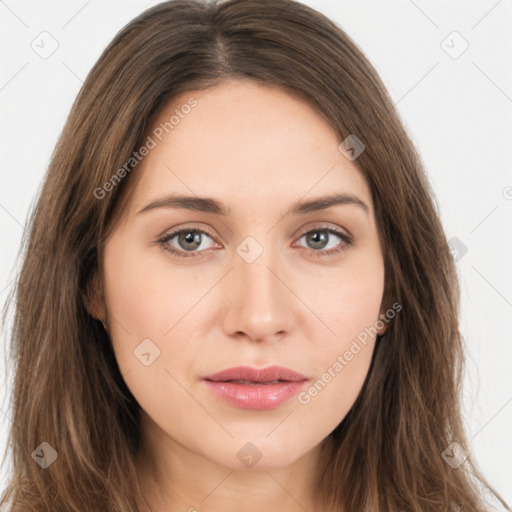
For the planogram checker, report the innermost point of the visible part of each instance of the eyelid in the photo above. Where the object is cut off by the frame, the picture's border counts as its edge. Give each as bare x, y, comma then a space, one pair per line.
188, 226
312, 226
299, 233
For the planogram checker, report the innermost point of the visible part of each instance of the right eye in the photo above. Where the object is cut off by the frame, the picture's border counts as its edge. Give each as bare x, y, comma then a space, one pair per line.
189, 239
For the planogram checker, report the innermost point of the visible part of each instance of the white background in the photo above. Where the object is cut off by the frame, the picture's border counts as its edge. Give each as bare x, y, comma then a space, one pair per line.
457, 110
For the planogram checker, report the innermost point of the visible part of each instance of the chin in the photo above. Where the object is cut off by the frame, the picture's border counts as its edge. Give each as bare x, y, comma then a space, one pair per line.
257, 454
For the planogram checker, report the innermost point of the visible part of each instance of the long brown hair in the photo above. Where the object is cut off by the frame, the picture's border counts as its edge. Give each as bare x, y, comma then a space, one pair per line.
69, 399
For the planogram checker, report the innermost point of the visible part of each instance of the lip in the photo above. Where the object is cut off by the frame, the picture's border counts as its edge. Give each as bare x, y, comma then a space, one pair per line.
267, 374
263, 394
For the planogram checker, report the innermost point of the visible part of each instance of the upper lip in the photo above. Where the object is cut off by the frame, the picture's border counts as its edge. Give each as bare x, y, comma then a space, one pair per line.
268, 374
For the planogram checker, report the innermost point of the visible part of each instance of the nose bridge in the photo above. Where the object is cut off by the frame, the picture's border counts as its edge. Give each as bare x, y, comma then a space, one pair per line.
259, 301
253, 269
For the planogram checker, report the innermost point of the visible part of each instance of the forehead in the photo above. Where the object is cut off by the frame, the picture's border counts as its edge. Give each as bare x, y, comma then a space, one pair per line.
247, 144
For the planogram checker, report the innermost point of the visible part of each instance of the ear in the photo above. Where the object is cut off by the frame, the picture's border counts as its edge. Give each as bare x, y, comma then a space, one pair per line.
384, 328
94, 298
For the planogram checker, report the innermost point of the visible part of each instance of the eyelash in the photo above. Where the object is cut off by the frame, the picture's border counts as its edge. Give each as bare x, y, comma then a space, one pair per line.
347, 241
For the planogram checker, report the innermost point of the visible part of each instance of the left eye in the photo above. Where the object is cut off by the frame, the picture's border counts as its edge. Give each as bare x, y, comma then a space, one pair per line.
191, 242
319, 237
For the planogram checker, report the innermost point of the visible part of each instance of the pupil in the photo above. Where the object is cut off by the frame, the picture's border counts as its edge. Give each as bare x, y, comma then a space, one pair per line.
319, 237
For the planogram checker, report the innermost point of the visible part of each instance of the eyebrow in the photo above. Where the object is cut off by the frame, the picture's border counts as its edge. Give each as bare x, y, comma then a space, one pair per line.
209, 205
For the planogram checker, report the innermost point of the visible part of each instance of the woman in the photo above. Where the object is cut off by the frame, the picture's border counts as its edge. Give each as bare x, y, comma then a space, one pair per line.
303, 353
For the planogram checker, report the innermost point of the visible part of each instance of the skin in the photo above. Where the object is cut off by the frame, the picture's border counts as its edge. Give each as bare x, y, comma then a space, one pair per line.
258, 150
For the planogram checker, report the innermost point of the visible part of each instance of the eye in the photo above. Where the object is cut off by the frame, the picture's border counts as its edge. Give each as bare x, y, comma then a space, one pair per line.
319, 238
189, 242
188, 239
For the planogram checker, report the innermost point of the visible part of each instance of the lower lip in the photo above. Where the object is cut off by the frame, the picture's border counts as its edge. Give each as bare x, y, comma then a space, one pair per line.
255, 396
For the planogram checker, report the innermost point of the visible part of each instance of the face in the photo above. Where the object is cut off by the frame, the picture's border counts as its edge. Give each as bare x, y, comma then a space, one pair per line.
262, 283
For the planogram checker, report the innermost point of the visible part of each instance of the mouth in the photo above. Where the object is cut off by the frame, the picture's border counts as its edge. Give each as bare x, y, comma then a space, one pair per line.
271, 374
258, 389
252, 382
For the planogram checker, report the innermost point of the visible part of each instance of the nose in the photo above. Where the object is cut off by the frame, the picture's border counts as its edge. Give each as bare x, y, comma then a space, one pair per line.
259, 300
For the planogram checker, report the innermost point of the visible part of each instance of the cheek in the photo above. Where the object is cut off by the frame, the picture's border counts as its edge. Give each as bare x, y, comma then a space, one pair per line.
144, 302
350, 307
342, 370
350, 302
142, 308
